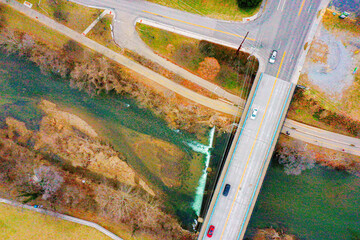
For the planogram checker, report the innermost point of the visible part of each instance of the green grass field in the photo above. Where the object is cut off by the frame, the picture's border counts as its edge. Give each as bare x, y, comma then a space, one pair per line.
189, 53
220, 9
101, 33
40, 32
21, 224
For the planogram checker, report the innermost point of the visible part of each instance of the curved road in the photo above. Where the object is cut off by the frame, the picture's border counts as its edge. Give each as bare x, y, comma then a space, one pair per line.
145, 72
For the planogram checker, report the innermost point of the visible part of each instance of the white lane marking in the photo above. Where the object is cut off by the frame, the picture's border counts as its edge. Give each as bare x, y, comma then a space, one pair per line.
310, 7
279, 45
282, 8
291, 57
279, 4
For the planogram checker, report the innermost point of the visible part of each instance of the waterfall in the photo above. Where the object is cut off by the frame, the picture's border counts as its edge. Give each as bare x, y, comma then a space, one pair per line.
206, 150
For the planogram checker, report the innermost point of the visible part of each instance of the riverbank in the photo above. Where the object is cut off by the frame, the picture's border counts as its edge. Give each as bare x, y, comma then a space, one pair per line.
71, 60
331, 77
81, 164
298, 156
313, 203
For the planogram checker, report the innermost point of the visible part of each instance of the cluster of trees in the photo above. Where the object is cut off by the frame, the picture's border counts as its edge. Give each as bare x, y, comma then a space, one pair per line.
334, 119
248, 3
31, 176
295, 158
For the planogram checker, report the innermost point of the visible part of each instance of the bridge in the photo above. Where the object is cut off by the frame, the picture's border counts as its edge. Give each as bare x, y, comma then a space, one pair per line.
255, 140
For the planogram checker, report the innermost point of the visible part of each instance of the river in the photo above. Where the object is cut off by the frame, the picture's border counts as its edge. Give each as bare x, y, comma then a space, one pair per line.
22, 86
320, 203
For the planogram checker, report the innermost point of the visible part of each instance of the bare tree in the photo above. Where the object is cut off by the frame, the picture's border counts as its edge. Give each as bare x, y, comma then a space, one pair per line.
48, 180
296, 158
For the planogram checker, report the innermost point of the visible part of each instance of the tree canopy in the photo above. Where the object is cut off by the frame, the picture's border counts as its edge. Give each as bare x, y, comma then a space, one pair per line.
248, 3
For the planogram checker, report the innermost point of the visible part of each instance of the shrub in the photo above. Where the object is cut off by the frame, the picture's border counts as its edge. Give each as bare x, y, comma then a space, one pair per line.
248, 3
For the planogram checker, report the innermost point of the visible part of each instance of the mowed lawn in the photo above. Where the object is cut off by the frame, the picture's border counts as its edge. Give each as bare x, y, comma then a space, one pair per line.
220, 9
22, 224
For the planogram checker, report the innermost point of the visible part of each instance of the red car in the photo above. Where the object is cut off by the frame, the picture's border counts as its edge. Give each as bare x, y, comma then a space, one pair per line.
210, 231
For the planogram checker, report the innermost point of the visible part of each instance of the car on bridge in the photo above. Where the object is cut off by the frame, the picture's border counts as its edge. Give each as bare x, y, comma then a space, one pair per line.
226, 190
273, 57
254, 113
210, 231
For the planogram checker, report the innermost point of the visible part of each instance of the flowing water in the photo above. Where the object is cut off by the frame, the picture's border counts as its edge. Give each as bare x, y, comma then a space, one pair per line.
22, 86
206, 150
320, 203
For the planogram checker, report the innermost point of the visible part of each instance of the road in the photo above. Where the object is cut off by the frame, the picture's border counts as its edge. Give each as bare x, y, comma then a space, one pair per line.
62, 216
321, 137
292, 24
145, 72
265, 34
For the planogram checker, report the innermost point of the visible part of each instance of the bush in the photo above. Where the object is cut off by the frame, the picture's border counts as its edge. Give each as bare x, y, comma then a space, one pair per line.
60, 15
2, 17
248, 3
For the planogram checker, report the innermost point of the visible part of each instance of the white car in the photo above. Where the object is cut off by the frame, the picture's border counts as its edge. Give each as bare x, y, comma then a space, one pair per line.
273, 57
254, 112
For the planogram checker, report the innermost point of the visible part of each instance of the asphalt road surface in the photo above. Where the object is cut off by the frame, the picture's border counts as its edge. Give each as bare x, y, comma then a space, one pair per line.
321, 137
249, 159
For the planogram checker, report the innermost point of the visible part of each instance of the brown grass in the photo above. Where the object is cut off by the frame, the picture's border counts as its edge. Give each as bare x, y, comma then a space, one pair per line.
40, 32
331, 22
318, 52
306, 109
22, 224
78, 17
101, 33
324, 156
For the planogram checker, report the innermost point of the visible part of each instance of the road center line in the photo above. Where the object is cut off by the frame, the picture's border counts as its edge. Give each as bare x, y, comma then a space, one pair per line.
197, 25
301, 7
252, 148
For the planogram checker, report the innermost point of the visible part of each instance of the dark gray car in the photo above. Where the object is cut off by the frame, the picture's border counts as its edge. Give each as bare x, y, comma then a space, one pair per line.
226, 190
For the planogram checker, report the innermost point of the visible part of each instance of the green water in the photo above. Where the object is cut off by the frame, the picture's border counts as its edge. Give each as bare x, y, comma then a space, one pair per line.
22, 86
320, 203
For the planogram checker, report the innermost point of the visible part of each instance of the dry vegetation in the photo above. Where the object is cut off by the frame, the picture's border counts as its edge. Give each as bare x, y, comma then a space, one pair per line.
23, 224
306, 109
297, 156
94, 74
101, 33
72, 15
332, 22
314, 106
53, 167
271, 233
